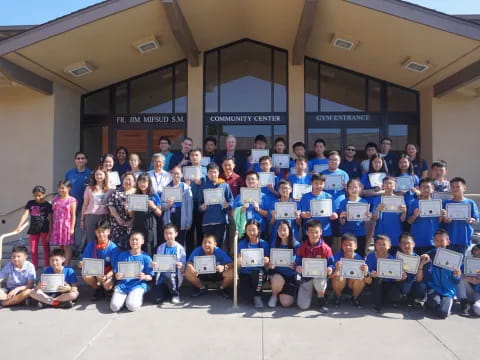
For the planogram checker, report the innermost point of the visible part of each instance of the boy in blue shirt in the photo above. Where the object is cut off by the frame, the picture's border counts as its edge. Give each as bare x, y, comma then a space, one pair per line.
460, 231
130, 291
101, 248
215, 216
439, 175
66, 293
468, 291
320, 160
441, 283
19, 275
224, 267
300, 176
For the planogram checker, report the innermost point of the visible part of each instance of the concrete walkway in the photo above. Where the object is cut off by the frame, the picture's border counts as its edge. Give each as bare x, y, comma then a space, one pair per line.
209, 328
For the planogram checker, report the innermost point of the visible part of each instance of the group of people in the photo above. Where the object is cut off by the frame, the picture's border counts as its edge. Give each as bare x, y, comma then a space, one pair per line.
92, 215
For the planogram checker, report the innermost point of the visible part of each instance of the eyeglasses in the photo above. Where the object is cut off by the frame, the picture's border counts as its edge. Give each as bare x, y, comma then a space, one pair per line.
350, 149
80, 158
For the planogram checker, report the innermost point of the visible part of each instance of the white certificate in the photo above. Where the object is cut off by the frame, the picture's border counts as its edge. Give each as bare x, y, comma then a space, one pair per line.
205, 264
321, 208
319, 168
410, 262
129, 269
93, 267
113, 179
266, 178
390, 268
458, 211
285, 210
404, 183
205, 160
357, 211
99, 199
430, 208
258, 153
172, 194
192, 172
137, 202
442, 195
299, 190
351, 269
293, 170
281, 161
249, 195
334, 182
392, 203
165, 263
281, 257
52, 282
252, 257
376, 179
471, 266
313, 267
448, 259
213, 196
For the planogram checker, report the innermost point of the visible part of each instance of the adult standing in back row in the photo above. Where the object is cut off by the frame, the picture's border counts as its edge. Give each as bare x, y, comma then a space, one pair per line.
181, 158
240, 159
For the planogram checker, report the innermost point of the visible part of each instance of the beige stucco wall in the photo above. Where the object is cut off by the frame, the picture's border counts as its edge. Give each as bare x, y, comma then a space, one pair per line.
456, 129
426, 124
296, 104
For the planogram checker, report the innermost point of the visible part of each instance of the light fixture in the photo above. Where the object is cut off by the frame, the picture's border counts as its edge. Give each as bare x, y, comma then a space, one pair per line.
416, 66
80, 69
147, 44
343, 42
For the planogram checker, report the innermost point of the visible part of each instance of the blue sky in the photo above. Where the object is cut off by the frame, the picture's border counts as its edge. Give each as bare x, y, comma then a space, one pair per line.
30, 12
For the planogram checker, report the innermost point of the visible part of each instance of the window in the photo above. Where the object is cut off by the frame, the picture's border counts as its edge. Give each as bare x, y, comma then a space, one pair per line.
401, 100
97, 103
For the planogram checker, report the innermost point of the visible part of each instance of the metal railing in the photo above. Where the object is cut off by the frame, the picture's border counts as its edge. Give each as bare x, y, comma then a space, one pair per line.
13, 233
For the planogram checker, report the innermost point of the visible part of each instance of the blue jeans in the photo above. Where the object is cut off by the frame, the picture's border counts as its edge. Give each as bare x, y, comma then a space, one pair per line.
411, 289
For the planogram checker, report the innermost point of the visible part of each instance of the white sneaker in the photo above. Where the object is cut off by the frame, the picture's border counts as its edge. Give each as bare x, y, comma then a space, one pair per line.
257, 302
272, 302
176, 300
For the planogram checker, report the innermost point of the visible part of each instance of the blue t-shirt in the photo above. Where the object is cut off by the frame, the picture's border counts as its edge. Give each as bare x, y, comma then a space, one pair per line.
365, 180
294, 179
352, 168
316, 161
292, 222
338, 195
460, 231
423, 228
245, 244
79, 180
410, 195
284, 270
216, 214
108, 254
70, 277
356, 228
221, 257
251, 213
339, 255
324, 220
127, 285
371, 261
419, 166
388, 223
439, 279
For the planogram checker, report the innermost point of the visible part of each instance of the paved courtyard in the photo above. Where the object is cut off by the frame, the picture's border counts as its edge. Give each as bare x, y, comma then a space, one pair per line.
210, 328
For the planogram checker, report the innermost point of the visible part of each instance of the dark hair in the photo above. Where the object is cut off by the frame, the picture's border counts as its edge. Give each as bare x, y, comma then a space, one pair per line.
227, 158
80, 153
165, 138
297, 144
102, 225
263, 158
136, 233
20, 249
122, 148
260, 137
441, 232
348, 237
418, 157
187, 138
334, 153
405, 235
458, 179
254, 223
351, 181
66, 183
475, 248
280, 139
210, 138
389, 178
38, 188
318, 177
197, 149
251, 172
301, 158
170, 226
319, 140
129, 173
213, 166
439, 163
283, 182
314, 223
410, 164
382, 237
370, 166
371, 145
148, 179
93, 181
425, 180
110, 155
386, 138
57, 252
291, 240
209, 235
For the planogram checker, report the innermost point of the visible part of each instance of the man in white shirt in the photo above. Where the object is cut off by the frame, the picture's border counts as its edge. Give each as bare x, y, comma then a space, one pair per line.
160, 177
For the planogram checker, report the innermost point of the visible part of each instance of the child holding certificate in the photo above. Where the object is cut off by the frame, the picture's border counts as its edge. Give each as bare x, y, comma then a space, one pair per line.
283, 279
439, 175
40, 212
252, 278
319, 147
269, 190
313, 247
105, 249
317, 193
389, 221
129, 291
381, 287
65, 293
223, 267
285, 190
176, 212
468, 291
145, 222
352, 226
405, 170
460, 231
301, 175
441, 283
167, 283
423, 227
339, 283
19, 275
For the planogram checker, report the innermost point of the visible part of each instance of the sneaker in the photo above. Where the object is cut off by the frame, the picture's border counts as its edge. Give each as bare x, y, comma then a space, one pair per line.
376, 309
200, 291
224, 293
417, 303
159, 300
272, 302
66, 304
355, 302
41, 305
337, 300
322, 305
465, 308
257, 302
176, 300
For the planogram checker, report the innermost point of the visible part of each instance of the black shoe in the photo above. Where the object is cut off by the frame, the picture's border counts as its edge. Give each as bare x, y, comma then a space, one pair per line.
98, 294
377, 309
322, 305
224, 293
199, 292
465, 308
356, 302
159, 300
337, 300
66, 305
